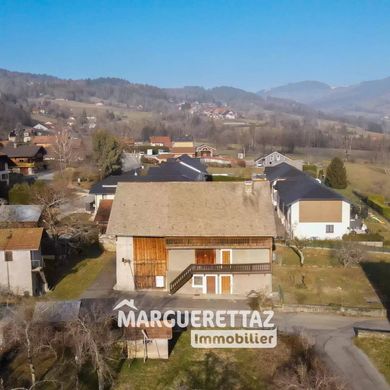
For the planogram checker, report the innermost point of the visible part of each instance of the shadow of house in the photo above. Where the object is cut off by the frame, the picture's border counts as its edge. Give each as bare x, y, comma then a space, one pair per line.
378, 273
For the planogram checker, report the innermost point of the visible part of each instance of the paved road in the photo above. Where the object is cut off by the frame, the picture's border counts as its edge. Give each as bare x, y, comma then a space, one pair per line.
332, 334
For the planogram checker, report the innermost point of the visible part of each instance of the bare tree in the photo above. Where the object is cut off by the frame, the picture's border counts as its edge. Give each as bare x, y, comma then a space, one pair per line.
63, 148
29, 337
92, 339
351, 254
298, 245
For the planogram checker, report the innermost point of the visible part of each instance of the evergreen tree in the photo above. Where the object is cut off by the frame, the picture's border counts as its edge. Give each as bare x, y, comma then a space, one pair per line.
107, 152
336, 174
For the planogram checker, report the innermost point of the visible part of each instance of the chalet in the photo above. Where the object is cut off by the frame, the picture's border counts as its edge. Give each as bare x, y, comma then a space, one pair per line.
21, 264
163, 141
307, 208
193, 238
276, 158
25, 159
204, 151
4, 171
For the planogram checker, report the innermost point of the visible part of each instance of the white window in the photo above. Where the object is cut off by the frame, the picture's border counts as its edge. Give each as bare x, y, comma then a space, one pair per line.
329, 228
198, 281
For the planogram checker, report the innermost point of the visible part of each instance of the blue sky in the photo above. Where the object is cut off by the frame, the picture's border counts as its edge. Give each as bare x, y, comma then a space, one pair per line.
242, 43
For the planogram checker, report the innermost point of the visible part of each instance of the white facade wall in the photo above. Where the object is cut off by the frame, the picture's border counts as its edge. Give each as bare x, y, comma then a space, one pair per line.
124, 269
17, 272
318, 229
4, 174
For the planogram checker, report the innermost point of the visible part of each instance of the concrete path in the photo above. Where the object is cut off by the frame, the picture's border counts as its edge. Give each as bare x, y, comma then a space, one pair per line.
102, 287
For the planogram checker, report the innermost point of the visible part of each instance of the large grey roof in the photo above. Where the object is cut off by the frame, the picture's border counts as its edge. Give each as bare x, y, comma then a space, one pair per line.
192, 209
22, 151
20, 213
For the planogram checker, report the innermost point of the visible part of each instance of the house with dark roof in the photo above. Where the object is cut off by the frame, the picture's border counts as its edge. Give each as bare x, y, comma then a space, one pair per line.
306, 207
25, 159
183, 168
193, 237
275, 158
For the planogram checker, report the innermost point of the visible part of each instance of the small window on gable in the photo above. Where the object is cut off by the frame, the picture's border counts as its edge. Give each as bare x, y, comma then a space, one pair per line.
329, 228
8, 256
197, 281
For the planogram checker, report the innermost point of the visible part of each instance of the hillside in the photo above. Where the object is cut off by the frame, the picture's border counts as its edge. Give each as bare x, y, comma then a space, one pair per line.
114, 91
369, 98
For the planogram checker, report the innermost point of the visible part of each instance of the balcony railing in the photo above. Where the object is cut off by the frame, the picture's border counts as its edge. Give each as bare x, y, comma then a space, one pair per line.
186, 275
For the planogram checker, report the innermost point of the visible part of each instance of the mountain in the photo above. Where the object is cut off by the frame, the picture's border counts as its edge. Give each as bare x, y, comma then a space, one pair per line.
304, 92
368, 98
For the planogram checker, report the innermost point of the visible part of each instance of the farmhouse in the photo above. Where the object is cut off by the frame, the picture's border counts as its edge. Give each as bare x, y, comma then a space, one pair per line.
25, 159
193, 238
21, 264
276, 158
307, 208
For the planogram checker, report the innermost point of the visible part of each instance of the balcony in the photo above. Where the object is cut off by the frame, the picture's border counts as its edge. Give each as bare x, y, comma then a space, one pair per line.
186, 275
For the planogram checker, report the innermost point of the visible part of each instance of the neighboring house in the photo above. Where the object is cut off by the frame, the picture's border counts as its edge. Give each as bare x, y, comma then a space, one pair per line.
177, 151
205, 151
185, 141
194, 238
183, 168
4, 170
307, 208
276, 158
40, 127
103, 214
14, 216
26, 159
105, 189
162, 141
21, 264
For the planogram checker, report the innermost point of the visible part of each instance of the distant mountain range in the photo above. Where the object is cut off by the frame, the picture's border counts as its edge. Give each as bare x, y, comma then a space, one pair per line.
371, 98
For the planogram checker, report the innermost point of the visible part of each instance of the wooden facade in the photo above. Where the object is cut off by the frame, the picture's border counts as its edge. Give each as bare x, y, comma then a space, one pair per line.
219, 242
150, 261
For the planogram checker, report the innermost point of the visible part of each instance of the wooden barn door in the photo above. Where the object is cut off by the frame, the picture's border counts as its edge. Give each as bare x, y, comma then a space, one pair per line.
150, 260
205, 256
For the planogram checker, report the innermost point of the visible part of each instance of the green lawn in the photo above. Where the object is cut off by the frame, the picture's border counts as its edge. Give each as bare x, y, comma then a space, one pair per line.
323, 281
378, 350
79, 277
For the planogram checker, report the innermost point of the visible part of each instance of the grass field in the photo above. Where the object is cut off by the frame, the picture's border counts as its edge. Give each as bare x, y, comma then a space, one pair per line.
192, 368
323, 281
378, 350
79, 277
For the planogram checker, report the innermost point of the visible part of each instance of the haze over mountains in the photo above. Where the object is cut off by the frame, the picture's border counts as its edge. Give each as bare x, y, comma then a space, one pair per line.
370, 98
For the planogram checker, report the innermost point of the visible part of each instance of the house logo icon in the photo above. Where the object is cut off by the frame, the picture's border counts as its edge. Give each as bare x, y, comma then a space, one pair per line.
126, 303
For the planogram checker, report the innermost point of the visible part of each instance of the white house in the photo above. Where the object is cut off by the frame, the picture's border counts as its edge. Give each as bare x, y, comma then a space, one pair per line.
276, 158
307, 208
21, 263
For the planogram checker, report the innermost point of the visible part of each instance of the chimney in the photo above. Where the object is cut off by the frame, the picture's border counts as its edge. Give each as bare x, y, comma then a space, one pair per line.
248, 186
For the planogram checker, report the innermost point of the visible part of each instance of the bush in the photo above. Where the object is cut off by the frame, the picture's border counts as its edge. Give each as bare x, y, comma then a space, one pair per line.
363, 237
377, 202
310, 169
20, 194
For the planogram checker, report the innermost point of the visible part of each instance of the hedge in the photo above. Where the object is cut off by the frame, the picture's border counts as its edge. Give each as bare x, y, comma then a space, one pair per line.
363, 237
377, 202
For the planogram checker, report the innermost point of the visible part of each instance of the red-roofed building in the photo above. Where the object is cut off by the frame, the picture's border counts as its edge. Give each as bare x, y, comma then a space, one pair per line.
158, 140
